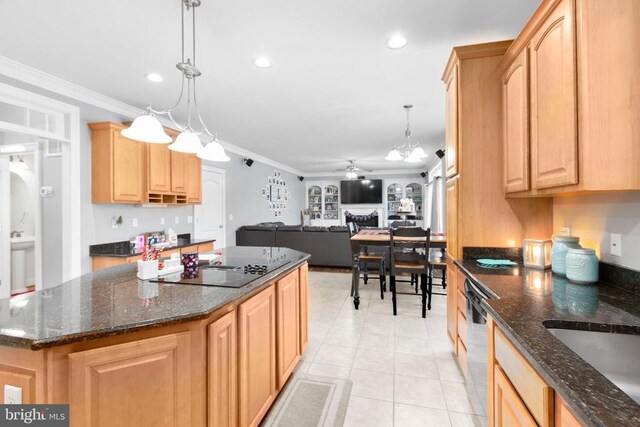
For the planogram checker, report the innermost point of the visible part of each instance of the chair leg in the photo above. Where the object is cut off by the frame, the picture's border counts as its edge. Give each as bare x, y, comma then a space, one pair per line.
444, 279
382, 279
430, 291
393, 295
354, 285
423, 286
366, 273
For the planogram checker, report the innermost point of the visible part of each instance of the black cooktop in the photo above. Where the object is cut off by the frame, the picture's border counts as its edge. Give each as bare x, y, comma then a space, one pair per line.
226, 271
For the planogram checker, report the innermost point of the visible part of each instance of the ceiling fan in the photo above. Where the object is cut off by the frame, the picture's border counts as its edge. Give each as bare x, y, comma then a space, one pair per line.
352, 170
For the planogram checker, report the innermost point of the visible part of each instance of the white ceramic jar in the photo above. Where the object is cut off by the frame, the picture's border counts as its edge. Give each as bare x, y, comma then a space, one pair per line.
561, 244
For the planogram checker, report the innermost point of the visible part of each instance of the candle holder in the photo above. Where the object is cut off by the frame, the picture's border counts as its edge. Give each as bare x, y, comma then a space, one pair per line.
536, 253
537, 282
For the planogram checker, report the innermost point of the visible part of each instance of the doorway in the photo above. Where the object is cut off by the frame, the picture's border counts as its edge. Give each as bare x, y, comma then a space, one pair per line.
210, 216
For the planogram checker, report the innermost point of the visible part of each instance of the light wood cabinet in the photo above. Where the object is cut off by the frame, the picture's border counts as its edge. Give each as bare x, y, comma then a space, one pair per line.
100, 262
564, 416
193, 166
159, 169
554, 142
127, 171
452, 201
178, 172
451, 300
515, 110
451, 131
288, 315
257, 350
509, 410
137, 383
304, 307
117, 166
222, 372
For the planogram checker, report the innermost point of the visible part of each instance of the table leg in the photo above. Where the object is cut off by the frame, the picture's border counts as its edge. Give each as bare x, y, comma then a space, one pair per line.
355, 279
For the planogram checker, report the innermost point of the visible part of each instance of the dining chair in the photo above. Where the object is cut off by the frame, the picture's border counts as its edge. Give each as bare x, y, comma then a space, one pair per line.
362, 258
410, 257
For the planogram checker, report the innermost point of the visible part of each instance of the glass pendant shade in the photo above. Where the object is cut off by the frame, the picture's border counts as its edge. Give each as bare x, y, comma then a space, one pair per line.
352, 175
146, 128
418, 152
214, 152
394, 155
187, 142
412, 159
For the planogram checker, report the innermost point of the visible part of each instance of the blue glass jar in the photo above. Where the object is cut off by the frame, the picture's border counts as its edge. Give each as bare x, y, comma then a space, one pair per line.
582, 265
561, 244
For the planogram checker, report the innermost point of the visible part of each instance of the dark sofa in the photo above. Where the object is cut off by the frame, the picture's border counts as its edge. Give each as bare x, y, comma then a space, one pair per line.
328, 246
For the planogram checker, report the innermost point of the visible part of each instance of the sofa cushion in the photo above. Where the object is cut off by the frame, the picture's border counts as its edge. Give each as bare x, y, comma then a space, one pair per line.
340, 228
290, 227
314, 228
259, 227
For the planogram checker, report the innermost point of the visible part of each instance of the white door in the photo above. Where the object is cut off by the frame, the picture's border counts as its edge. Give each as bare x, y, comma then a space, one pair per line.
209, 217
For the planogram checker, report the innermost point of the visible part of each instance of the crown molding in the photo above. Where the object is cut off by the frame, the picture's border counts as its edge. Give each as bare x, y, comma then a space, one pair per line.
35, 77
373, 172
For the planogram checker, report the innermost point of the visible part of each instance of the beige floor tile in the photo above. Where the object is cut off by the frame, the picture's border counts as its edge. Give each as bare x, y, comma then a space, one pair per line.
363, 412
374, 360
449, 370
371, 384
328, 370
335, 355
310, 352
411, 327
462, 398
376, 341
344, 338
467, 420
415, 416
413, 345
419, 391
416, 366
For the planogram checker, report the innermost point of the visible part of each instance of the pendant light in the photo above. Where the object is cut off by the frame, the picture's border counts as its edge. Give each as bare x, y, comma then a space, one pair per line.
147, 127
408, 151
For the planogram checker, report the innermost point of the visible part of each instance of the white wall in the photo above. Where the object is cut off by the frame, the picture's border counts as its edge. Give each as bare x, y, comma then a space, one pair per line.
593, 217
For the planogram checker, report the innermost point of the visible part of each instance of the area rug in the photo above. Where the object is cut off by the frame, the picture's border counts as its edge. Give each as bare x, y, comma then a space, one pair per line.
310, 401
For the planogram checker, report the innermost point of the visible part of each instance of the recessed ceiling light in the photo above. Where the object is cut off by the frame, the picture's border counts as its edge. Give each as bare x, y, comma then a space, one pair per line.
262, 62
154, 77
397, 42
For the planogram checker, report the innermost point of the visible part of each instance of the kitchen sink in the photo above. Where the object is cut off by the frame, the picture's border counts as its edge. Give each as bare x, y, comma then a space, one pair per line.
614, 355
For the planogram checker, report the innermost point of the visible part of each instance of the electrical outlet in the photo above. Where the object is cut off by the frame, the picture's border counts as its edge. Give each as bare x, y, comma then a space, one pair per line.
616, 244
12, 395
230, 217
177, 220
190, 219
134, 222
566, 231
161, 221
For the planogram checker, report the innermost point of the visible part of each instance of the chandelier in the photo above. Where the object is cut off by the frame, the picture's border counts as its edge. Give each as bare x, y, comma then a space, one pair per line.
147, 127
409, 152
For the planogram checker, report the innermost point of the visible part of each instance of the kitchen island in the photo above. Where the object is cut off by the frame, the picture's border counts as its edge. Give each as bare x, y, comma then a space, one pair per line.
123, 351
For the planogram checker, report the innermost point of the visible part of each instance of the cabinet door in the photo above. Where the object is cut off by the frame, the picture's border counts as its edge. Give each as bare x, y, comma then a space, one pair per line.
158, 168
304, 307
194, 179
554, 140
452, 217
288, 321
452, 123
178, 172
128, 169
509, 410
144, 382
515, 121
451, 300
222, 373
563, 415
257, 355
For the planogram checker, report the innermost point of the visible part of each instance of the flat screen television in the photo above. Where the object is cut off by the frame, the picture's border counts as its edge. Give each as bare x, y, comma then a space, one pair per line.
361, 191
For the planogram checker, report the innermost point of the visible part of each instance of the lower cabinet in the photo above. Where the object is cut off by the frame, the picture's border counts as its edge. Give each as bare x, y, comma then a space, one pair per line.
223, 372
288, 337
451, 300
140, 383
304, 307
509, 410
257, 350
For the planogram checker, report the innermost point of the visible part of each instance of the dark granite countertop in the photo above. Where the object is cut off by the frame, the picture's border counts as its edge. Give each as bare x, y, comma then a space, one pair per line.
122, 250
522, 299
114, 301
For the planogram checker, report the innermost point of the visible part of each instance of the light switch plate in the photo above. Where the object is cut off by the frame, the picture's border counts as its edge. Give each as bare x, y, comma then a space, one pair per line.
190, 219
616, 244
161, 221
12, 395
566, 231
134, 222
230, 217
177, 220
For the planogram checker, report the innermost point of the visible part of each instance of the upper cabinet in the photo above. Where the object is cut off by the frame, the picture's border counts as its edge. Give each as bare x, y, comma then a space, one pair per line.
127, 171
117, 166
554, 143
571, 68
515, 110
451, 84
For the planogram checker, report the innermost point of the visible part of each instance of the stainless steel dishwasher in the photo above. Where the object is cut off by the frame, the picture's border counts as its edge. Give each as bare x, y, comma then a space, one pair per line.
477, 345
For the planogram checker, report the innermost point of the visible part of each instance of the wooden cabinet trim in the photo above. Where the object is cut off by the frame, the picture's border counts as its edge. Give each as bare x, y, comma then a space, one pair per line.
509, 410
288, 325
223, 372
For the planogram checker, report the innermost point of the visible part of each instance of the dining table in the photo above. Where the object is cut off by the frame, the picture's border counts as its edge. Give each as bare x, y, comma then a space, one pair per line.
382, 238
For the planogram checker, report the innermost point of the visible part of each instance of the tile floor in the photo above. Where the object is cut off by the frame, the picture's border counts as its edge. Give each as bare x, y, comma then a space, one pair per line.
402, 367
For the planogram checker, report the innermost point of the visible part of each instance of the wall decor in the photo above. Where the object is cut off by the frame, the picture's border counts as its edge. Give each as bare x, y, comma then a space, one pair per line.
276, 193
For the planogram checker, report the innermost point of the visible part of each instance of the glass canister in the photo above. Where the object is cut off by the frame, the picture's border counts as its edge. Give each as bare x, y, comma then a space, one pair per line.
561, 244
582, 265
